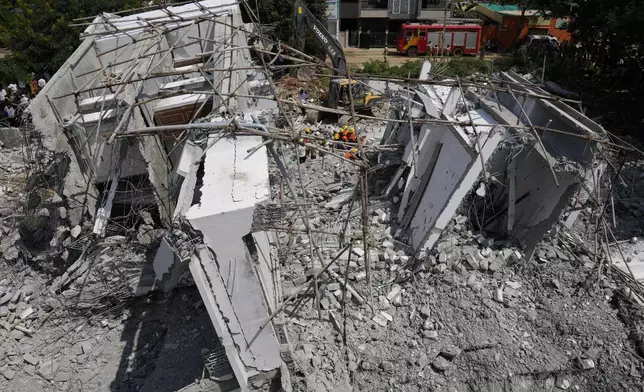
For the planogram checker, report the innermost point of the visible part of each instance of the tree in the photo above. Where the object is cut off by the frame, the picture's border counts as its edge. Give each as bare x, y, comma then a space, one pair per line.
609, 31
280, 15
39, 34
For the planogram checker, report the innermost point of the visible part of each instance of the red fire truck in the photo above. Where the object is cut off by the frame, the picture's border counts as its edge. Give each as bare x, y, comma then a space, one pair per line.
416, 38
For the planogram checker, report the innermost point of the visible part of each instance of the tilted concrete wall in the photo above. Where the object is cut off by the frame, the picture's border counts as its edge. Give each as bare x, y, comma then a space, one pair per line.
233, 183
453, 160
80, 198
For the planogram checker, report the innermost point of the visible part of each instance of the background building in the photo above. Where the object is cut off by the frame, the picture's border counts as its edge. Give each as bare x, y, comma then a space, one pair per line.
503, 23
380, 17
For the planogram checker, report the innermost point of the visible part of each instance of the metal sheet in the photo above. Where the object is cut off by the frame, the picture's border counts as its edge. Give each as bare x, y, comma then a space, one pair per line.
471, 40
459, 39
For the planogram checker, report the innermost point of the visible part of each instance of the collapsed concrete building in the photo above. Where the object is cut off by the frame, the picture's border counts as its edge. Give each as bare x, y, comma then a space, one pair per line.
163, 68
120, 108
481, 142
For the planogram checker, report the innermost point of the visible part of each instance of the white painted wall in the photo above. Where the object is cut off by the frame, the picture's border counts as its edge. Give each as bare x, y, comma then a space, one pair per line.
470, 176
233, 183
450, 167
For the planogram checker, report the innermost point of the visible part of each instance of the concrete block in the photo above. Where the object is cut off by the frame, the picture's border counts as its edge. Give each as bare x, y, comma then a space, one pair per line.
168, 267
432, 335
441, 364
496, 264
562, 383
451, 352
382, 319
299, 280
472, 261
30, 359
383, 302
76, 231
333, 287
498, 295
484, 265
394, 293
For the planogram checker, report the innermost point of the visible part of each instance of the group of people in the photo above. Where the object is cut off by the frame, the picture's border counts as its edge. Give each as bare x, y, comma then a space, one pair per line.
303, 152
12, 104
14, 100
344, 139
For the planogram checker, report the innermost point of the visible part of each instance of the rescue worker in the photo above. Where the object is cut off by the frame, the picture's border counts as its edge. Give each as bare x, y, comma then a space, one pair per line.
352, 154
351, 135
336, 139
301, 151
310, 153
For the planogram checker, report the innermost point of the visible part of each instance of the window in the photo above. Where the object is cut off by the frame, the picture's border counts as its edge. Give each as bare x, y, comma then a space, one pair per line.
408, 33
427, 3
423, 32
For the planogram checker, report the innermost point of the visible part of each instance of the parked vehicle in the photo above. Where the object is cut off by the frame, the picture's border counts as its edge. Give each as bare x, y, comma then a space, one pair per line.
416, 38
338, 94
541, 42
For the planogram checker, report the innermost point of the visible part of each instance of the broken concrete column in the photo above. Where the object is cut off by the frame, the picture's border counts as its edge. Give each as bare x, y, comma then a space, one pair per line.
169, 268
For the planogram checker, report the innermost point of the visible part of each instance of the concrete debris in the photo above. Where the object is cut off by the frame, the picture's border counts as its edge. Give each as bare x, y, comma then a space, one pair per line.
9, 374
425, 311
30, 359
562, 383
451, 352
441, 364
76, 230
459, 283
382, 318
343, 197
498, 295
586, 363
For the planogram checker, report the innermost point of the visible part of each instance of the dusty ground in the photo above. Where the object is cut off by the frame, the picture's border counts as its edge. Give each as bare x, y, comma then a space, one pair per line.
83, 337
154, 344
553, 324
556, 326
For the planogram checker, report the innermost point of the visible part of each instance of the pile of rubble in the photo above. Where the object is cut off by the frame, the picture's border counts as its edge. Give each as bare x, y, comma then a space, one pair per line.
474, 314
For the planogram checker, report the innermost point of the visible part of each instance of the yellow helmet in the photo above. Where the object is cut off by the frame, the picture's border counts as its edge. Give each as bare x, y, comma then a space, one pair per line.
355, 150
336, 136
345, 127
352, 130
308, 130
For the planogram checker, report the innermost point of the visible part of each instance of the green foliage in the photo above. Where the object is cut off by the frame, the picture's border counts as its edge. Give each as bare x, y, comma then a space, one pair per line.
382, 68
39, 34
11, 71
281, 15
609, 31
455, 67
464, 66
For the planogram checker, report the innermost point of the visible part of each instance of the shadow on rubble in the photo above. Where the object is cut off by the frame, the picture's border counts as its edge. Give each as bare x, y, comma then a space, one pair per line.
164, 339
